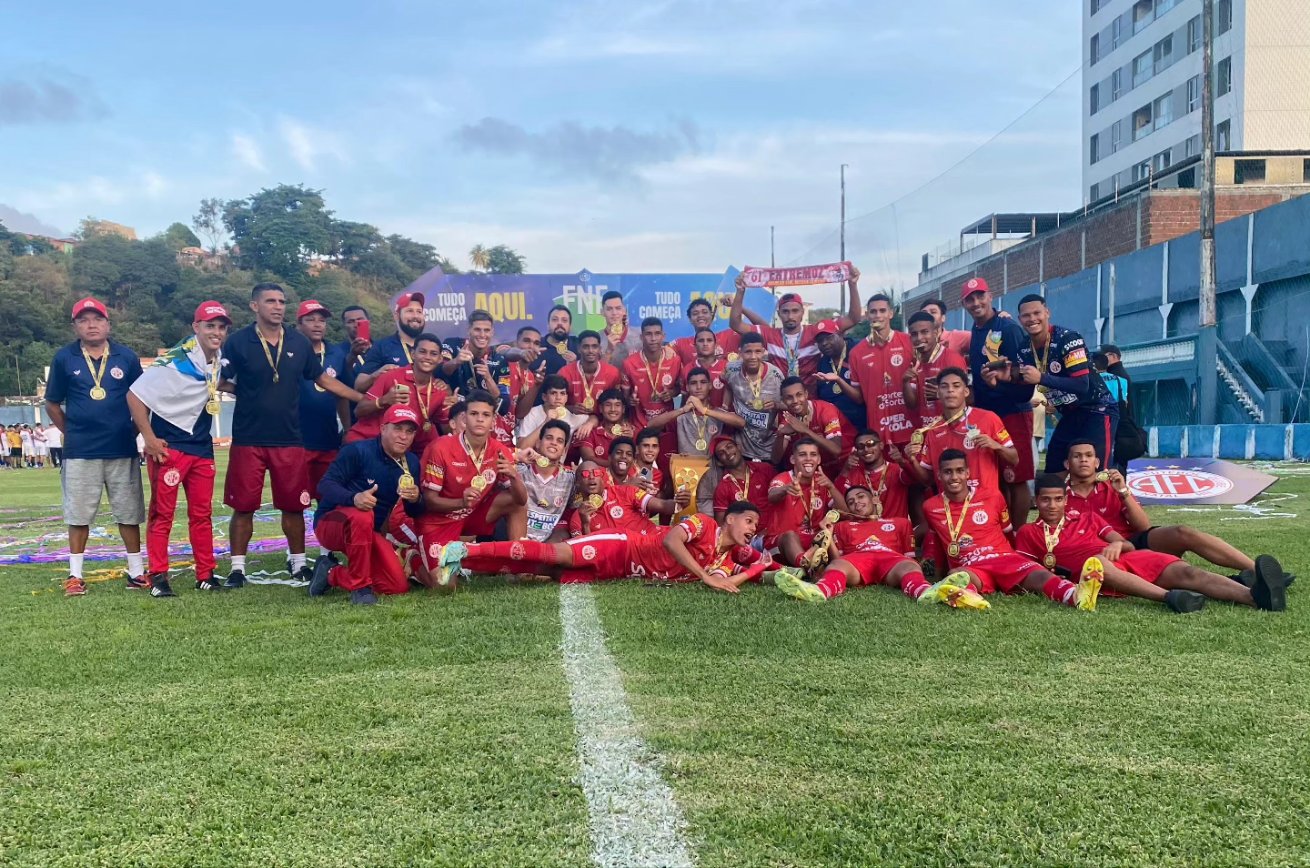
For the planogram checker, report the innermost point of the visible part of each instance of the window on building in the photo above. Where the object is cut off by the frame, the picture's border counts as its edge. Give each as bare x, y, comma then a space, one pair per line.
1116, 32
1305, 171
1223, 136
1163, 6
1142, 171
1248, 171
1095, 48
1116, 136
1142, 122
1143, 14
1194, 35
1162, 111
1163, 160
1095, 147
1223, 16
1116, 84
1094, 193
1143, 67
1094, 99
1223, 75
1162, 54
1192, 147
1193, 93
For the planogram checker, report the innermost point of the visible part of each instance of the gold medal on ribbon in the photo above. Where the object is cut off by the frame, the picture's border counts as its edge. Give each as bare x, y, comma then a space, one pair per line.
758, 404
916, 437
588, 403
97, 393
953, 550
732, 357
212, 407
543, 462
406, 480
478, 482
701, 445
595, 501
1049, 561
1103, 476
616, 430
831, 516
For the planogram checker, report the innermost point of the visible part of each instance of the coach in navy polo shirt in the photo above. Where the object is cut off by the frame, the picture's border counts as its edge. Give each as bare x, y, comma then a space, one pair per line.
264, 364
90, 378
398, 350
323, 416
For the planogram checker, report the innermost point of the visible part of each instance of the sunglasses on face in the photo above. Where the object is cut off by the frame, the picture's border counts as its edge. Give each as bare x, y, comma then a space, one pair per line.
592, 474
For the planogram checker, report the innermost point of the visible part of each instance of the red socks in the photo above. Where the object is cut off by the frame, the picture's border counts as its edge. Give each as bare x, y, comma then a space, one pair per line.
1061, 591
833, 583
519, 556
914, 584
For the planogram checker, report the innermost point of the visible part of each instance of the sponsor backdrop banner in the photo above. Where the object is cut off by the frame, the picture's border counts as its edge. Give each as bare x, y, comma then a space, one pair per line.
516, 300
1163, 481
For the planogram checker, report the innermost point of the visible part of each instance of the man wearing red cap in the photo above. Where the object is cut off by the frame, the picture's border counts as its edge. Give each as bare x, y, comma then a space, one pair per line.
397, 350
174, 403
359, 495
878, 366
323, 416
263, 365
86, 399
792, 348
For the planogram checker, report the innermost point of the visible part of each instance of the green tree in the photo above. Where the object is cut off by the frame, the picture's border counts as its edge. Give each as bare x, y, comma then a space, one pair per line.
117, 270
503, 260
480, 257
278, 229
417, 256
209, 222
178, 236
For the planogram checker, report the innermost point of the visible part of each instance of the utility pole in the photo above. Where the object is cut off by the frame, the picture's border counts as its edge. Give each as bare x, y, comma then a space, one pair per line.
842, 306
773, 260
1207, 338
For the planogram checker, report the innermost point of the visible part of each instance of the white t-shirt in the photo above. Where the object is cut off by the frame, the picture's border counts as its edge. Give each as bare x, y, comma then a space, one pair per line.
54, 438
537, 417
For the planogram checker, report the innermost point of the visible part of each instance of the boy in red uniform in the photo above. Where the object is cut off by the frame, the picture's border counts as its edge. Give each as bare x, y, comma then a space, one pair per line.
604, 505
590, 376
1067, 540
700, 313
469, 483
798, 501
708, 356
804, 418
696, 548
741, 480
868, 467
971, 526
978, 433
416, 386
931, 357
878, 365
652, 378
596, 445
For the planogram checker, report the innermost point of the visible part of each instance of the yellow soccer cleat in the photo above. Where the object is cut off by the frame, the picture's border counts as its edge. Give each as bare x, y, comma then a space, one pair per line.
789, 580
968, 598
944, 589
1089, 585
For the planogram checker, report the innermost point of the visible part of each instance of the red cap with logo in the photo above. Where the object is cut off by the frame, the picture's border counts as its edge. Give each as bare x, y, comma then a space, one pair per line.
826, 327
790, 298
89, 304
400, 413
211, 310
309, 306
407, 298
722, 438
972, 285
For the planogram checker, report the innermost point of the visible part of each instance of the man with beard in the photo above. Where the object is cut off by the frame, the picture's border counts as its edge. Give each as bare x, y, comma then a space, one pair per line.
589, 376
756, 387
696, 548
263, 364
606, 504
878, 365
397, 350
931, 357
561, 347
320, 410
416, 386
621, 340
355, 346
869, 468
549, 483
473, 364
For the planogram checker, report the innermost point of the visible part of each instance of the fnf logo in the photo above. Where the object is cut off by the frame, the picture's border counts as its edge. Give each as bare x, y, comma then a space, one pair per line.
1178, 484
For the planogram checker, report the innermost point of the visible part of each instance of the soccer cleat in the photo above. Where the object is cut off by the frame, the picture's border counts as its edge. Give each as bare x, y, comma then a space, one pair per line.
1270, 588
235, 579
74, 587
1182, 602
789, 580
364, 597
1247, 577
138, 583
928, 567
968, 598
159, 586
1089, 585
954, 591
210, 583
304, 574
448, 562
318, 581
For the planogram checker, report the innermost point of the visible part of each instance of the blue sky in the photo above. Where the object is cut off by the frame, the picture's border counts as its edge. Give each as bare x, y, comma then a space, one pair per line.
639, 136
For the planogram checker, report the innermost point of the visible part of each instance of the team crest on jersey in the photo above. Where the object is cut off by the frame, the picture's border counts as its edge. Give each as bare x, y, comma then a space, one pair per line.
718, 384
897, 360
330, 371
516, 551
816, 502
172, 477
489, 475
1055, 367
116, 372
980, 517
668, 379
434, 550
304, 498
588, 553
616, 512
558, 501
888, 527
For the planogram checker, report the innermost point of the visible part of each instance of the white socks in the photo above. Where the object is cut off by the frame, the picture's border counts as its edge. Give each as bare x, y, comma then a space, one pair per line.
238, 563
136, 565
297, 562
75, 565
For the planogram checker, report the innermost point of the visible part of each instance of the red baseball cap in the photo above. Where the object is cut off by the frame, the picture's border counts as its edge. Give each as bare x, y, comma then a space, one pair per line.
400, 413
972, 285
789, 298
87, 304
210, 310
309, 306
722, 438
826, 327
408, 298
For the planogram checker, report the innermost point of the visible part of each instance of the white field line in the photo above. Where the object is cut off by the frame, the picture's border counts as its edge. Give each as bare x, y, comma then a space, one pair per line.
634, 817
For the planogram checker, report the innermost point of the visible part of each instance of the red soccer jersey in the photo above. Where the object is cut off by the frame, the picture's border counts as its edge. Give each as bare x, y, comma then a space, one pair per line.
802, 513
879, 370
980, 533
449, 469
755, 487
600, 438
795, 355
891, 484
727, 341
651, 560
428, 402
875, 534
984, 464
827, 422
926, 411
583, 386
1104, 502
653, 385
1081, 537
718, 388
958, 341
624, 510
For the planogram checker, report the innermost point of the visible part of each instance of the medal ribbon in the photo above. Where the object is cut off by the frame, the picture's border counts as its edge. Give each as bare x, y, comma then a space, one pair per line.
1052, 537
273, 363
955, 528
96, 375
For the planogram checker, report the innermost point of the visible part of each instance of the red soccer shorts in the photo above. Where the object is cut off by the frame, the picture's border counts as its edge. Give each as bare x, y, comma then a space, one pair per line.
195, 476
873, 566
1020, 428
243, 489
806, 538
317, 462
1003, 572
598, 556
440, 529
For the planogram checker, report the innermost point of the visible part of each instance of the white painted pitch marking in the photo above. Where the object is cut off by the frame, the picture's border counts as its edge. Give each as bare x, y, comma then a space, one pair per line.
635, 820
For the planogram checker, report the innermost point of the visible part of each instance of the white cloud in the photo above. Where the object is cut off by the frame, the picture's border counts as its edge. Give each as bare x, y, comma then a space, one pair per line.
306, 144
247, 152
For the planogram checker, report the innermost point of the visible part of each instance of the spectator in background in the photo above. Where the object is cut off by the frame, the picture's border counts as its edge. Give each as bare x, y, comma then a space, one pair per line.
55, 440
1115, 383
4, 448
956, 340
41, 444
1130, 439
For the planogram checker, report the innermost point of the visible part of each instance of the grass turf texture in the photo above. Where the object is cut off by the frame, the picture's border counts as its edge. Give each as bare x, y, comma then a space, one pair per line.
260, 726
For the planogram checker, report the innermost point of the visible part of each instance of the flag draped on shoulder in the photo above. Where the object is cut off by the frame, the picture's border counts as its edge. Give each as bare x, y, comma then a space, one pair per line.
176, 386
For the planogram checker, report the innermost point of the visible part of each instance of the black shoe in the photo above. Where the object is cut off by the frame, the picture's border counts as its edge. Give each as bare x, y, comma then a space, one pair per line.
1270, 588
364, 597
210, 584
1184, 602
159, 586
137, 583
318, 582
235, 579
1245, 577
304, 574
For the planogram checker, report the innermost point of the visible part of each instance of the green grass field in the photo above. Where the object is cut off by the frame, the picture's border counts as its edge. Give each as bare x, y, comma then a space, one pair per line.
262, 727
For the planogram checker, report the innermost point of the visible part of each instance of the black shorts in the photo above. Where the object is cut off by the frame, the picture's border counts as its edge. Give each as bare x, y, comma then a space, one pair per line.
1141, 538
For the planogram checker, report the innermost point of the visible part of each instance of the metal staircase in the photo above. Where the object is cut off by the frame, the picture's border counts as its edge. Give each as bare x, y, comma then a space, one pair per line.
1228, 368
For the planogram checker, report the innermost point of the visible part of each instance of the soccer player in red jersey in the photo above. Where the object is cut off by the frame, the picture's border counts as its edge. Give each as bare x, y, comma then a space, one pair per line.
867, 550
878, 365
976, 432
607, 505
700, 313
798, 501
742, 479
817, 420
590, 376
708, 357
613, 424
792, 349
971, 526
868, 467
1112, 499
696, 548
653, 378
469, 483
415, 385
1065, 540
931, 357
